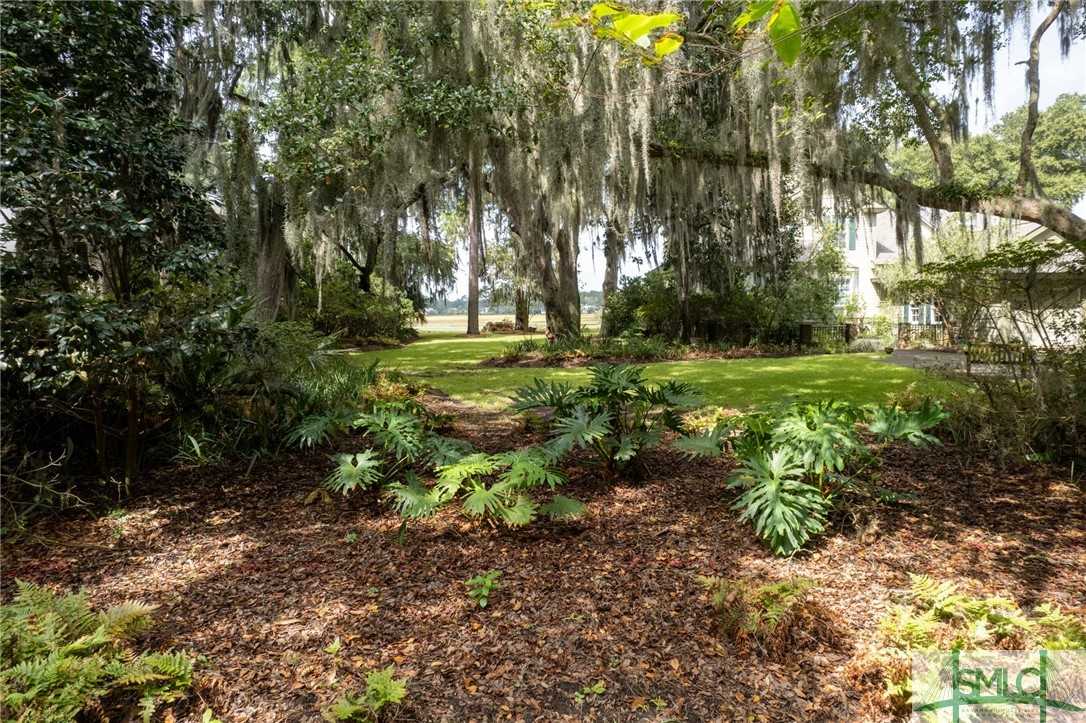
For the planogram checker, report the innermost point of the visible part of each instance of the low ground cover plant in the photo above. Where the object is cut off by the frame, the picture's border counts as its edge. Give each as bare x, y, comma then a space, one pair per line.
494, 487
800, 463
617, 414
481, 586
383, 689
935, 615
62, 659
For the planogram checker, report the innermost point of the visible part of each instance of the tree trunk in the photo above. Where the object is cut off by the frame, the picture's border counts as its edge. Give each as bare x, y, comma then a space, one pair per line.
475, 231
132, 442
1027, 173
272, 256
520, 301
682, 283
569, 296
612, 254
99, 429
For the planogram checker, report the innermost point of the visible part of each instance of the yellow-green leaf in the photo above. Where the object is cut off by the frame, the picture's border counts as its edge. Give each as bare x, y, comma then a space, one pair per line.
755, 11
635, 26
602, 10
667, 44
784, 32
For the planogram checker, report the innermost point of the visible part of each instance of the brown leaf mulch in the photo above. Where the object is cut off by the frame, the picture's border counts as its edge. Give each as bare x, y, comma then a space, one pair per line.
259, 583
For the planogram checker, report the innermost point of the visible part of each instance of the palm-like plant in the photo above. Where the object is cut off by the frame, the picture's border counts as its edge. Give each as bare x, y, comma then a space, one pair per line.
617, 413
784, 510
889, 423
354, 471
491, 486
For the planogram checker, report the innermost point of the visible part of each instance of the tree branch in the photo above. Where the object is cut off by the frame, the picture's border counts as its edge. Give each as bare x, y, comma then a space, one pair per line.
910, 85
946, 197
1027, 173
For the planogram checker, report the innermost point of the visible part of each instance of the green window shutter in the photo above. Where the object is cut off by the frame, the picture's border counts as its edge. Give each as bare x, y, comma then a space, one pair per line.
852, 234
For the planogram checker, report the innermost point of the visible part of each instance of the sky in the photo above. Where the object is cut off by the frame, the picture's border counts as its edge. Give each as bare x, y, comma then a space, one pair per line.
1059, 75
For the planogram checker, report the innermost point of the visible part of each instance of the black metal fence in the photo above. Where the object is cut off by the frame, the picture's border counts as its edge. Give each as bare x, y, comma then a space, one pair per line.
937, 335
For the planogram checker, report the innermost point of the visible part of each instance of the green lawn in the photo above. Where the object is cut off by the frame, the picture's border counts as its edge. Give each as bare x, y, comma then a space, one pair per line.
450, 363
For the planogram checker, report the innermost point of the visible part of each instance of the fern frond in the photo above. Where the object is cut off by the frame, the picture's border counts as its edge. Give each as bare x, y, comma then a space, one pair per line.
128, 619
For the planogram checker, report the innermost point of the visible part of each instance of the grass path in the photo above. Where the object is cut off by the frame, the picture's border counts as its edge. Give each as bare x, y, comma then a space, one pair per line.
449, 362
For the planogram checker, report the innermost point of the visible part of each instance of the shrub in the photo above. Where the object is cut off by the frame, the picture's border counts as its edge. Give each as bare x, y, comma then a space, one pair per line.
775, 617
799, 463
882, 327
61, 658
784, 509
617, 414
383, 689
890, 422
1011, 416
383, 313
870, 345
504, 326
401, 441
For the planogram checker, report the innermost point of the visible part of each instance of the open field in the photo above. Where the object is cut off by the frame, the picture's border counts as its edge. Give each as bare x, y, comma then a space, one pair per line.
458, 323
450, 363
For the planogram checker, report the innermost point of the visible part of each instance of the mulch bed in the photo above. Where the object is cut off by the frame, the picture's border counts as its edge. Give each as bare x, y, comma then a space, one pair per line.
249, 576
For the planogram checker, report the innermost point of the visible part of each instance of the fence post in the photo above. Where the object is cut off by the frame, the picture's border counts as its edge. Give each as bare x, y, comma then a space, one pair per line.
806, 333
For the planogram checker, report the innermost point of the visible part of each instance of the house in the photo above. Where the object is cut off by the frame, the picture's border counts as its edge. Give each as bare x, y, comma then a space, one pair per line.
868, 240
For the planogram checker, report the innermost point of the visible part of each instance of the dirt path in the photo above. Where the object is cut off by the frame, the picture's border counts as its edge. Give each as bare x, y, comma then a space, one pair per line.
260, 583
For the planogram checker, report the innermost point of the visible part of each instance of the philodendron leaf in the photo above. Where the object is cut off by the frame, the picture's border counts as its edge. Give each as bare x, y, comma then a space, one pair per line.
563, 508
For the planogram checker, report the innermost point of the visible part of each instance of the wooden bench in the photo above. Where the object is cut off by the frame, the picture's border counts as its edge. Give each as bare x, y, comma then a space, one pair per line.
995, 354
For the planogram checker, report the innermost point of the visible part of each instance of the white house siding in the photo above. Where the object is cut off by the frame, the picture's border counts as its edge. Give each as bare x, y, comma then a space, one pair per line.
866, 240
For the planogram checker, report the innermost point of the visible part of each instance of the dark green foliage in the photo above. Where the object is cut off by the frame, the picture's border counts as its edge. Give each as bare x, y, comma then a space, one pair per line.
727, 309
822, 434
890, 423
801, 462
400, 442
594, 347
384, 313
617, 414
126, 335
784, 510
60, 658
